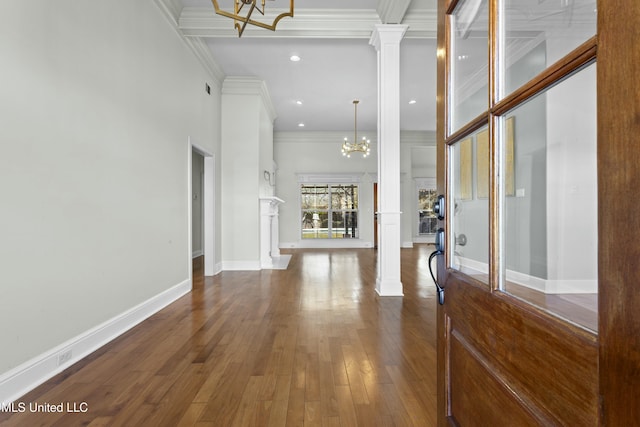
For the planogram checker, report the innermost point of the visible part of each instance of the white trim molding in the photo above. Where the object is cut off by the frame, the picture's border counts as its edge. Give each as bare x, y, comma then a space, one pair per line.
241, 265
328, 244
307, 23
25, 377
329, 178
241, 85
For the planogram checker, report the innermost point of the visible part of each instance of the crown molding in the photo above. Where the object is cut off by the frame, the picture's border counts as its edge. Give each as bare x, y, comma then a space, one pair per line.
423, 24
427, 138
171, 10
250, 86
204, 55
307, 23
317, 137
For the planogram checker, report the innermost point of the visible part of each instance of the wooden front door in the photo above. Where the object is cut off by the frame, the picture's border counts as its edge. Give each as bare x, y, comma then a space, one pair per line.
538, 159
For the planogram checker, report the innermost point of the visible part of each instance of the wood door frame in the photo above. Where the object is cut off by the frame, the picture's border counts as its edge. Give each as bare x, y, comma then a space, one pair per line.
618, 219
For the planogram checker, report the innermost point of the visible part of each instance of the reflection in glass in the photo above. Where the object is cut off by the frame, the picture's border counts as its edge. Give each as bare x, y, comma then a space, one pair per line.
469, 62
539, 33
550, 232
469, 239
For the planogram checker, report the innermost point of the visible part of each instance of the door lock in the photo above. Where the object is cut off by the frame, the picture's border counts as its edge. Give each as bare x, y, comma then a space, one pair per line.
439, 207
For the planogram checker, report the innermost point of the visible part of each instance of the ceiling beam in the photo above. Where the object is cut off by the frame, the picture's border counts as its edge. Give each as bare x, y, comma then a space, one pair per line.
392, 11
307, 23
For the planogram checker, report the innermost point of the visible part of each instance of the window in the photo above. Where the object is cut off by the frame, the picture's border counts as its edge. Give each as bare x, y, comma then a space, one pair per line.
329, 211
427, 220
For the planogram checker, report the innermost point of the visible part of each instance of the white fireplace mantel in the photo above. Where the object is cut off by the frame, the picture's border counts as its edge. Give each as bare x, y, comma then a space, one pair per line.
270, 257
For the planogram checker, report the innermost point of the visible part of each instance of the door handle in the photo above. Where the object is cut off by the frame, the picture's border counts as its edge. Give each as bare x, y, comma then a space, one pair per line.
440, 246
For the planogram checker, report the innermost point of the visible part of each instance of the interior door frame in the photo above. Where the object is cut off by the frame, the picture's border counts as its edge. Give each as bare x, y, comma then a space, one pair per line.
614, 353
208, 206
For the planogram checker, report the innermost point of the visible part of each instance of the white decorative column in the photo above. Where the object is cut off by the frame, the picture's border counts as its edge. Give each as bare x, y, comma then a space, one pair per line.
386, 39
269, 232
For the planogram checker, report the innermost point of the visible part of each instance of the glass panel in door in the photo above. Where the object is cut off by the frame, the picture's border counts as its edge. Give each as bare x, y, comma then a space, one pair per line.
539, 33
551, 199
468, 62
469, 235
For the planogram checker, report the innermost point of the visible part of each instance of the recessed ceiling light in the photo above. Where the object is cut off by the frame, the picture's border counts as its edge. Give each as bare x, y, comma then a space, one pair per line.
300, 125
413, 101
462, 57
299, 102
294, 58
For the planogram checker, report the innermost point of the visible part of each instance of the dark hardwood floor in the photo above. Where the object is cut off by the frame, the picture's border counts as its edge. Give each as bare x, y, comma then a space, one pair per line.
311, 345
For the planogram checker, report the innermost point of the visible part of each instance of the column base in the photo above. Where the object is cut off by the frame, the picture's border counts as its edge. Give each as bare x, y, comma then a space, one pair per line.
389, 288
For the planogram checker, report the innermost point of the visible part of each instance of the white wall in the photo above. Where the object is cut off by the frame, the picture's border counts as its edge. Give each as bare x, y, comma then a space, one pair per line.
267, 181
572, 187
319, 153
247, 150
97, 101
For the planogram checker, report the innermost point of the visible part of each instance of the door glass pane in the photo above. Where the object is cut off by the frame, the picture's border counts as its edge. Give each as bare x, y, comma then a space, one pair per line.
469, 62
539, 33
550, 230
469, 239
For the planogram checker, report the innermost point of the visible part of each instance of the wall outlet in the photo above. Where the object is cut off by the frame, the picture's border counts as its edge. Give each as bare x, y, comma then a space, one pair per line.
64, 357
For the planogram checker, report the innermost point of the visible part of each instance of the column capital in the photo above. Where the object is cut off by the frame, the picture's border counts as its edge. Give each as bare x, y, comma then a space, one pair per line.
387, 33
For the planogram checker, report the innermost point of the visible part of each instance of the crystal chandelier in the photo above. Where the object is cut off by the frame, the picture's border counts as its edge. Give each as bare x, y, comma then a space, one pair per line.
361, 146
243, 17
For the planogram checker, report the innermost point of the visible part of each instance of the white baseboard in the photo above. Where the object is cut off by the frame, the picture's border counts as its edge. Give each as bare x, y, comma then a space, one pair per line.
428, 238
277, 263
241, 265
328, 244
197, 253
217, 268
24, 378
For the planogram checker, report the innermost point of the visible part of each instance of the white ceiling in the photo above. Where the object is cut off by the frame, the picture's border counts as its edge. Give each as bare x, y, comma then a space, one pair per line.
338, 64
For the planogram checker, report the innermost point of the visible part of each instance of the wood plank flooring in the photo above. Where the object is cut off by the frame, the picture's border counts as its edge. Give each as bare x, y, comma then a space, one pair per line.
308, 346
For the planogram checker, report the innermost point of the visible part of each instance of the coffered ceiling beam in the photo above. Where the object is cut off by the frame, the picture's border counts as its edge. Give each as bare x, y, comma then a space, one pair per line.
307, 23
392, 11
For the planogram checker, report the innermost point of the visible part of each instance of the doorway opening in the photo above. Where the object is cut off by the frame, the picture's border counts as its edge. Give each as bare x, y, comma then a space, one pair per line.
201, 208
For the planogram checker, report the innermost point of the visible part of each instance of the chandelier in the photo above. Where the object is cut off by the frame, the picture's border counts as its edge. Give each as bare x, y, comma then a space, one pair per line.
243, 17
361, 146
